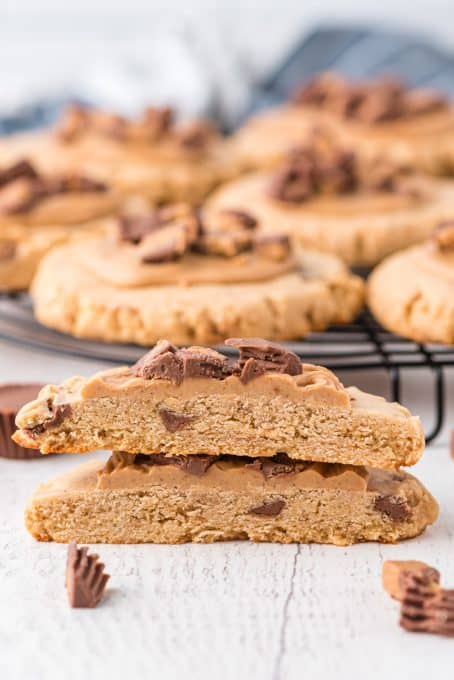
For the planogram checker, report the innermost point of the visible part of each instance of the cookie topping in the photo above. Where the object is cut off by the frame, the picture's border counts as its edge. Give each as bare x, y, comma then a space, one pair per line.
152, 126
21, 169
171, 232
314, 170
268, 509
443, 236
322, 168
195, 136
376, 101
22, 188
85, 577
257, 357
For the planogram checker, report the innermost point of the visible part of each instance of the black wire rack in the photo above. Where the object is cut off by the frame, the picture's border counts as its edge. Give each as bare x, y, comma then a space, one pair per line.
360, 346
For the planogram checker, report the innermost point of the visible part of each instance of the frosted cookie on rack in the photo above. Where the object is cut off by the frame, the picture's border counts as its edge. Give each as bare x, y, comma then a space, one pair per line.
150, 156
379, 117
165, 274
203, 499
39, 211
411, 293
199, 401
324, 197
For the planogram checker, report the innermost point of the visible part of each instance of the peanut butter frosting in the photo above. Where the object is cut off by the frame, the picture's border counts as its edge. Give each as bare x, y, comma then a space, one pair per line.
28, 197
235, 472
172, 246
153, 132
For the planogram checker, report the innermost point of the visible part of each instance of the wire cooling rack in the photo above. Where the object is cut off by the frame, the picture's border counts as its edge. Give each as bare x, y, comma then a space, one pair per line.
359, 346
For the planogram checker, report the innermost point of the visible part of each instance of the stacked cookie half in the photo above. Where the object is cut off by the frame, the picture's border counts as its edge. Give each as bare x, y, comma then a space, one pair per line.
208, 447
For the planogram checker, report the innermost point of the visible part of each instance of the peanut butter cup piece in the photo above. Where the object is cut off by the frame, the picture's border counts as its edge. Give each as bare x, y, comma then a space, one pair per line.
226, 244
259, 356
393, 570
160, 362
12, 398
86, 579
425, 606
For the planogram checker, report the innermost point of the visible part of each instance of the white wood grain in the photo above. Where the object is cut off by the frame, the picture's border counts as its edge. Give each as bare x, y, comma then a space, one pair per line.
218, 612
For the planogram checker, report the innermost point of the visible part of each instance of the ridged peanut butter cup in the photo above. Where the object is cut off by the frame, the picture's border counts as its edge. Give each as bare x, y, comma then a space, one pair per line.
12, 398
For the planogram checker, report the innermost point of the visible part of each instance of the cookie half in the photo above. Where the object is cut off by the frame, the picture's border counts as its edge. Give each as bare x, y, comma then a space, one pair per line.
201, 402
135, 499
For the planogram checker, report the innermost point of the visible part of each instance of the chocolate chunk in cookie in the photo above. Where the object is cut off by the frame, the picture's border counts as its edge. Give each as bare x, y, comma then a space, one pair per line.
268, 509
396, 508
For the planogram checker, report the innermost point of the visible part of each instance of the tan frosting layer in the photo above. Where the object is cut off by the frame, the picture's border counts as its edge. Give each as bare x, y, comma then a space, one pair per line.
228, 472
74, 208
119, 265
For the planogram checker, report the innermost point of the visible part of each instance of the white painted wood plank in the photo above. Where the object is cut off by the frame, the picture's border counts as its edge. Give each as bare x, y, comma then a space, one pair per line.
224, 611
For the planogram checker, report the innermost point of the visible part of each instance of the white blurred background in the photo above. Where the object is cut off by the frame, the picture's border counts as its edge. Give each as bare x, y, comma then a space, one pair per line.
131, 51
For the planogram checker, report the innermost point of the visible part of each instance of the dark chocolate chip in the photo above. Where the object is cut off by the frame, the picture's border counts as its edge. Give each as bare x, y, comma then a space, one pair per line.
395, 507
173, 421
268, 509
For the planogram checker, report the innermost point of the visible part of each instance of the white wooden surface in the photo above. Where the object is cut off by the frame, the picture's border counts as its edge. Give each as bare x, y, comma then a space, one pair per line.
218, 612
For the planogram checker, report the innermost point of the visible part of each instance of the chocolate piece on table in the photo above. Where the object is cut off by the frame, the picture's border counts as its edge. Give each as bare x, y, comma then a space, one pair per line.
394, 569
425, 606
12, 397
85, 577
